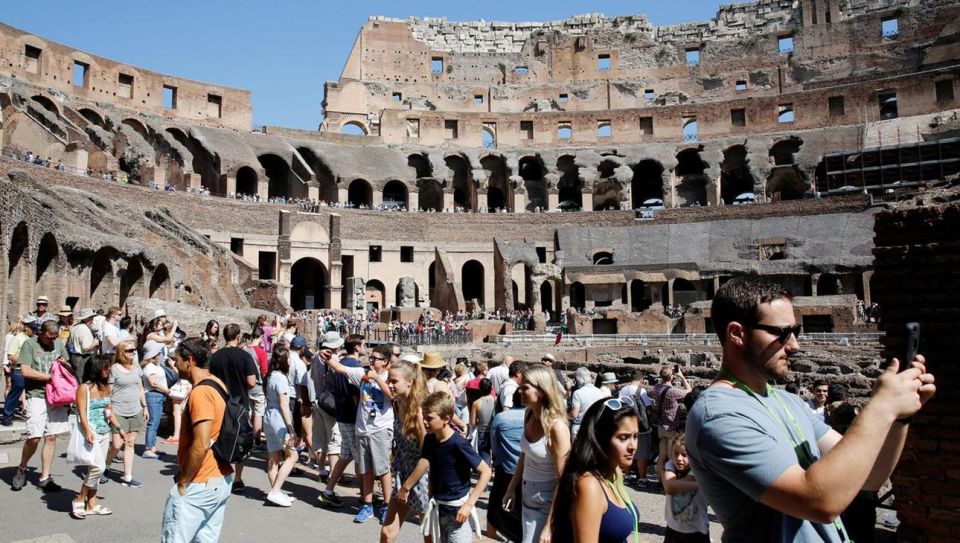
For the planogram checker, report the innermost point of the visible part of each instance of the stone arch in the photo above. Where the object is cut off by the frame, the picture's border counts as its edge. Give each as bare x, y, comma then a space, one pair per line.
783, 152
639, 296
430, 195
735, 176
464, 191
498, 182
354, 128
93, 117
488, 137
472, 281
376, 295
359, 193
646, 183
691, 188
570, 186
46, 103
546, 298
178, 134
18, 277
326, 181
159, 283
203, 163
308, 280
532, 170
279, 175
247, 180
137, 126
102, 277
420, 164
48, 255
578, 296
395, 194
131, 281
684, 292
603, 258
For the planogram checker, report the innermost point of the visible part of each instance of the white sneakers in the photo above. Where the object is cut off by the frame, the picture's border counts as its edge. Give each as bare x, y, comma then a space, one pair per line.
280, 499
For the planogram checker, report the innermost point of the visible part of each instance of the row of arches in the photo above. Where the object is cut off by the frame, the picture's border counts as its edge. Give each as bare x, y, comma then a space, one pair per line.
99, 280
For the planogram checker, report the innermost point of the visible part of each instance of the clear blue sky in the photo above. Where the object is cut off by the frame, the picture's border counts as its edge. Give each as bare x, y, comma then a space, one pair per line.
280, 50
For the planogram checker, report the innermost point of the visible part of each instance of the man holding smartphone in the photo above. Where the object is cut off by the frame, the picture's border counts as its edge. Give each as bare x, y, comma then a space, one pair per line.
666, 400
772, 470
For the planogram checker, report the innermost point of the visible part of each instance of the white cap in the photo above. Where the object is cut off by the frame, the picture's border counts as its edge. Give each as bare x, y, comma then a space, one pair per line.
159, 313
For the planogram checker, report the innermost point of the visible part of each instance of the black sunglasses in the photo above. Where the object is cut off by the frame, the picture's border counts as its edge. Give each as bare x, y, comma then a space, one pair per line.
379, 358
129, 351
783, 333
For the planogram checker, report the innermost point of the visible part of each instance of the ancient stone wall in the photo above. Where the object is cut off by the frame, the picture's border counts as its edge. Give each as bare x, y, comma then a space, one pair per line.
917, 278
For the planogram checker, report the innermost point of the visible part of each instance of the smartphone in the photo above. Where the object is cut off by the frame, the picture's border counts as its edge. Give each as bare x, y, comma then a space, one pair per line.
676, 368
911, 343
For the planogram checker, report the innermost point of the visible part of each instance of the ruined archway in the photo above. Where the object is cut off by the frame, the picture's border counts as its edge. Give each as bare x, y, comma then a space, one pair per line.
102, 277
684, 292
138, 127
570, 186
131, 281
354, 128
46, 272
159, 283
472, 282
326, 181
735, 177
395, 194
420, 164
546, 298
279, 175
398, 299
578, 296
359, 193
376, 297
430, 195
532, 170
18, 279
247, 181
46, 104
464, 192
691, 186
93, 117
308, 280
647, 183
639, 296
783, 152
498, 178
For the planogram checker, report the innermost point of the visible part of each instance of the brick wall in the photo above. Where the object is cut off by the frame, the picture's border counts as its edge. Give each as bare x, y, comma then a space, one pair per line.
918, 278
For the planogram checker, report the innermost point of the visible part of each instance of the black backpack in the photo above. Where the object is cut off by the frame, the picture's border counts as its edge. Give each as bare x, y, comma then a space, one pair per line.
655, 409
643, 418
235, 441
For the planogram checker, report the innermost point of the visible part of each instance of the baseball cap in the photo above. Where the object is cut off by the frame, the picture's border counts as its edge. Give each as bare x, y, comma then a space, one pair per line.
298, 342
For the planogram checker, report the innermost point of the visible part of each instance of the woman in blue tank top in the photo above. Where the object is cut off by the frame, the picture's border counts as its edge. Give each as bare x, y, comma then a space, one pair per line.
591, 503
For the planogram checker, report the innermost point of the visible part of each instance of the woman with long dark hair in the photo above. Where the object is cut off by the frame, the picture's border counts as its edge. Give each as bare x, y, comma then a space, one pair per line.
212, 331
278, 427
95, 419
591, 504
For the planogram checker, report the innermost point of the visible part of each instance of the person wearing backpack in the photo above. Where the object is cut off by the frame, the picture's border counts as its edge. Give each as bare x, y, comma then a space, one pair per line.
235, 367
326, 434
196, 504
638, 392
667, 398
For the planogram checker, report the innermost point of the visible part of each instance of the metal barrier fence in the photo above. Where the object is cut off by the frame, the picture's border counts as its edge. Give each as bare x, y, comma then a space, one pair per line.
589, 339
412, 339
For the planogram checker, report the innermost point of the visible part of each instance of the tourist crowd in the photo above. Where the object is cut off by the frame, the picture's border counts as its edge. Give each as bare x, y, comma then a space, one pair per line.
559, 449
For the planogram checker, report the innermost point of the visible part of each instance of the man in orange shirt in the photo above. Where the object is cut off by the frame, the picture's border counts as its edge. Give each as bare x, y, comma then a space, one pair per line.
196, 504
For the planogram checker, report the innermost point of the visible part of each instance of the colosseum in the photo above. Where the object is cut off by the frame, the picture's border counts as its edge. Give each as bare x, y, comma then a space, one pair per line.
603, 173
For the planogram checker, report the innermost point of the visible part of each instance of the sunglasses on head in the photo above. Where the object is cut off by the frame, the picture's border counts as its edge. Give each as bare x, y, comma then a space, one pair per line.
616, 404
783, 333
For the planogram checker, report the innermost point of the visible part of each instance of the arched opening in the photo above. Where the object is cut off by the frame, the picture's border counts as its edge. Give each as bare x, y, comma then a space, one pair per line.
430, 195
308, 283
403, 299
516, 294
353, 128
93, 117
131, 281
375, 295
735, 178
431, 279
138, 127
578, 297
17, 264
546, 299
279, 176
607, 194
46, 104
101, 277
159, 282
786, 183
246, 181
532, 171
691, 130
783, 151
569, 186
495, 199
692, 184
471, 277
464, 192
602, 258
326, 181
359, 193
684, 293
178, 135
203, 163
18, 248
639, 296
646, 184
828, 285
489, 137
395, 194
420, 165
46, 256
607, 168
498, 178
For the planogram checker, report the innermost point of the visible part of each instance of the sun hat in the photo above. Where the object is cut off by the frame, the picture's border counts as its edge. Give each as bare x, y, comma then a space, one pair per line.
159, 313
65, 311
432, 361
152, 349
86, 314
42, 300
609, 377
550, 357
331, 340
411, 358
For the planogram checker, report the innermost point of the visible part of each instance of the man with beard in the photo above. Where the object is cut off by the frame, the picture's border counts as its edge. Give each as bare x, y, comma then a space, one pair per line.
772, 470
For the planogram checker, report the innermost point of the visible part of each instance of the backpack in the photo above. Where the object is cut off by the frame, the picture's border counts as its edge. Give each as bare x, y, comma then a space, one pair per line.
235, 441
170, 375
643, 419
654, 410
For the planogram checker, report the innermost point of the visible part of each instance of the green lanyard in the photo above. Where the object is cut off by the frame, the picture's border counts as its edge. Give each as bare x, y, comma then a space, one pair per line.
621, 493
772, 392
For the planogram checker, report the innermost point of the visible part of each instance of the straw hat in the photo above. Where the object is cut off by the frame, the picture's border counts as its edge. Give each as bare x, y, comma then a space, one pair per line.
66, 311
86, 314
432, 361
609, 377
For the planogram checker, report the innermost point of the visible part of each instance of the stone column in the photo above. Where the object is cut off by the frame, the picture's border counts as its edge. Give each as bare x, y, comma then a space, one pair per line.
342, 195
448, 201
377, 198
413, 201
481, 200
231, 185
193, 181
629, 308
76, 157
553, 200
263, 190
867, 296
670, 292
814, 280
586, 201
519, 202
313, 191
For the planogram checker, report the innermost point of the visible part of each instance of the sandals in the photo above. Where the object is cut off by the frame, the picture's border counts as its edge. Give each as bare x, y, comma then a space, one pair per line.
79, 510
99, 510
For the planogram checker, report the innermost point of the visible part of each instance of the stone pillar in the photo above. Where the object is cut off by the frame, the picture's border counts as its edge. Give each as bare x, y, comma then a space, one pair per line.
342, 195
713, 193
586, 201
377, 198
519, 202
413, 201
670, 292
448, 201
553, 200
313, 192
193, 181
231, 185
263, 190
814, 279
481, 200
75, 158
867, 296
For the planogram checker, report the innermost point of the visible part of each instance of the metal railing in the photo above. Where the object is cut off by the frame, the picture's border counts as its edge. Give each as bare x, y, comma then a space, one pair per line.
426, 337
706, 339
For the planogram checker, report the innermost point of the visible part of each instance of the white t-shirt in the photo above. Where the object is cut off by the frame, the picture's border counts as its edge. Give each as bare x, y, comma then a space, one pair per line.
583, 398
374, 410
497, 376
107, 331
154, 370
506, 393
297, 373
687, 512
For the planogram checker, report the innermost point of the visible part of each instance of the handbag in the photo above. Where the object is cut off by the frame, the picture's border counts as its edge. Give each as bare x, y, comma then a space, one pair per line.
79, 450
62, 388
178, 391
